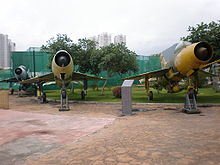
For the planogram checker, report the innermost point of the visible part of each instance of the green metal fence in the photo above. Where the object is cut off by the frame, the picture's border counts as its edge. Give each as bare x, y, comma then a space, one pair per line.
34, 61
145, 64
38, 62
28, 59
5, 74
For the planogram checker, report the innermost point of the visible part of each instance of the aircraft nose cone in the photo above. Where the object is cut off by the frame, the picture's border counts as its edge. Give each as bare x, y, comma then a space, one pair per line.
62, 61
18, 71
203, 52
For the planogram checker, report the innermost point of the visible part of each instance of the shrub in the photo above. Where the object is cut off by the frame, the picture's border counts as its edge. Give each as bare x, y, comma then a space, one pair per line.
117, 92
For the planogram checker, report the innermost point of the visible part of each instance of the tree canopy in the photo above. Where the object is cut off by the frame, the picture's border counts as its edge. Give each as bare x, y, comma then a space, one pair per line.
209, 32
54, 44
118, 59
115, 58
60, 42
84, 55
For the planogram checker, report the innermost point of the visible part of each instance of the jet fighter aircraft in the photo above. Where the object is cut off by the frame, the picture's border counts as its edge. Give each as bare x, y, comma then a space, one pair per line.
186, 61
20, 73
62, 73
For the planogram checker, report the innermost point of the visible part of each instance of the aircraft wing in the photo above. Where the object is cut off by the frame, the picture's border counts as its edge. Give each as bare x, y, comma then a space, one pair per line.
40, 79
50, 77
81, 76
205, 74
13, 79
157, 73
209, 64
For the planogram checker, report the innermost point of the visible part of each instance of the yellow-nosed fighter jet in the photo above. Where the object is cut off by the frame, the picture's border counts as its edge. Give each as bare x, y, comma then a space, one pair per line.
62, 74
186, 60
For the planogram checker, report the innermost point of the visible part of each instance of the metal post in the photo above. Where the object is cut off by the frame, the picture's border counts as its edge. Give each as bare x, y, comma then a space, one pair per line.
64, 106
34, 63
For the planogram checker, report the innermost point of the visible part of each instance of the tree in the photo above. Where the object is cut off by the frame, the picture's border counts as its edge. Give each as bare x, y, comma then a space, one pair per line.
118, 59
206, 32
60, 42
85, 55
95, 60
86, 52
88, 58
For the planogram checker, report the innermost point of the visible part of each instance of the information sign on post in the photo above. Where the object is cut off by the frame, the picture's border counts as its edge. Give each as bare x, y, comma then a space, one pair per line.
126, 97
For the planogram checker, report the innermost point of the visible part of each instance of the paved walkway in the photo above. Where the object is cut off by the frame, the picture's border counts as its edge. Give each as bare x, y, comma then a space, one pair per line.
23, 134
155, 137
161, 135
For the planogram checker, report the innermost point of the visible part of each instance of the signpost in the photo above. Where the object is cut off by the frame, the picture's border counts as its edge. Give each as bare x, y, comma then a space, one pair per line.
126, 97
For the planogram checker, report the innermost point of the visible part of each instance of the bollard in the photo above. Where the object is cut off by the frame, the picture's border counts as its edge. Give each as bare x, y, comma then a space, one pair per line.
4, 100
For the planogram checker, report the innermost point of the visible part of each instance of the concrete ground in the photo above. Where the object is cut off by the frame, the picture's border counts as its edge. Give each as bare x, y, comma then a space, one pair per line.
33, 134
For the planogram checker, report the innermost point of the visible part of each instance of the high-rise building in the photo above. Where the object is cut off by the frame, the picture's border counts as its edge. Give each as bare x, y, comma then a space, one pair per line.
104, 39
6, 46
120, 39
93, 38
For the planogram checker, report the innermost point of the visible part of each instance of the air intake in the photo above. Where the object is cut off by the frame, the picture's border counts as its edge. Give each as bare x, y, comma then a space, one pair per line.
18, 71
62, 58
203, 51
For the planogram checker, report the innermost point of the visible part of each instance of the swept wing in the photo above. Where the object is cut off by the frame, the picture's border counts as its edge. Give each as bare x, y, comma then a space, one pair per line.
50, 77
13, 79
209, 64
157, 73
203, 73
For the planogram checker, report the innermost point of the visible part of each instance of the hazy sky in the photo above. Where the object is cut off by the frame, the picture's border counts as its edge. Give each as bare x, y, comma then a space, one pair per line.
150, 25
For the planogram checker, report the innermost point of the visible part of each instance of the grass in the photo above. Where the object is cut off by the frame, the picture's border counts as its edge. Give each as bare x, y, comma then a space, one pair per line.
205, 95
